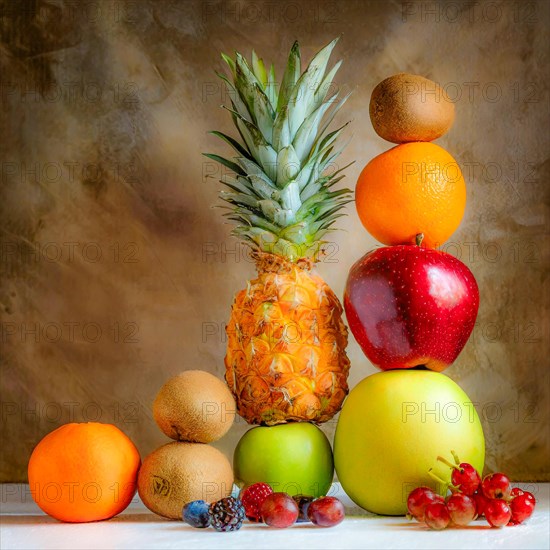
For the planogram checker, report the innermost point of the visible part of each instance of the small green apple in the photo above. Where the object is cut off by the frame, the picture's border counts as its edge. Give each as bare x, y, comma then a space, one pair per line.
391, 429
293, 458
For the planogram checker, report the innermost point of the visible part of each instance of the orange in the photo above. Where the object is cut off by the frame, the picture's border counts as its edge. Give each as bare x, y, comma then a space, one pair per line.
84, 472
411, 189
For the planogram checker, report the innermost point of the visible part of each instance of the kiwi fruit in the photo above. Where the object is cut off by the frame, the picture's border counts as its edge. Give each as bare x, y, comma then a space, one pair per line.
178, 473
194, 406
408, 107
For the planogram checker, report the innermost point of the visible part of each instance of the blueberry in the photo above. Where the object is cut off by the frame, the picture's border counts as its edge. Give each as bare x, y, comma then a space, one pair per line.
197, 514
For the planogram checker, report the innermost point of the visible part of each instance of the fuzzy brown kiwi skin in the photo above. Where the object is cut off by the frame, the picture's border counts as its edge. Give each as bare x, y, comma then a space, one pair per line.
177, 473
403, 108
194, 406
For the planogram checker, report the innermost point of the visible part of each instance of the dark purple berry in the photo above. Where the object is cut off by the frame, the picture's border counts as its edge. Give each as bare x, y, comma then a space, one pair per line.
303, 502
227, 514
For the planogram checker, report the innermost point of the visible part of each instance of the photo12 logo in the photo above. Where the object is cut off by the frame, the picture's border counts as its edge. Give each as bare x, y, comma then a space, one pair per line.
71, 92
51, 332
25, 252
56, 412
289, 332
51, 172
236, 252
469, 11
472, 91
452, 412
270, 11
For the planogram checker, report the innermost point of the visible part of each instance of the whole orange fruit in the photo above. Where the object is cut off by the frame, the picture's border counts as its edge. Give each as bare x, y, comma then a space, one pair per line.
411, 189
84, 472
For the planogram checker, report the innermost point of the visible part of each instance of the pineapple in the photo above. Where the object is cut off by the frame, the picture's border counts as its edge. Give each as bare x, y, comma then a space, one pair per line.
286, 358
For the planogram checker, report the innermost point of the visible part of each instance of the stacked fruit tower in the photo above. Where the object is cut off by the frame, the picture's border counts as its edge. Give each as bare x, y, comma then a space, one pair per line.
194, 409
410, 307
286, 359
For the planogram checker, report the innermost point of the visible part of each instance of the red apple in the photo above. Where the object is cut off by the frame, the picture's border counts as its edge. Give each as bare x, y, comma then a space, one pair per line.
410, 306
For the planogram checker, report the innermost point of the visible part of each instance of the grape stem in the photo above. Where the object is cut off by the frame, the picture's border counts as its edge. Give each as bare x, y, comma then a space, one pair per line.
447, 463
446, 484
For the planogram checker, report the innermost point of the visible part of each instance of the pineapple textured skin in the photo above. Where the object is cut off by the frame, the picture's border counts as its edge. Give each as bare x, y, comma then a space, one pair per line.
286, 358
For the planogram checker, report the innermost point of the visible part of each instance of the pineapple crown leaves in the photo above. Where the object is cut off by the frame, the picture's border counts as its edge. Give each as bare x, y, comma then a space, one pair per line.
280, 194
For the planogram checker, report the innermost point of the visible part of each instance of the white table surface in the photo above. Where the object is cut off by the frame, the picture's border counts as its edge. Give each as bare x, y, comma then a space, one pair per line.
24, 526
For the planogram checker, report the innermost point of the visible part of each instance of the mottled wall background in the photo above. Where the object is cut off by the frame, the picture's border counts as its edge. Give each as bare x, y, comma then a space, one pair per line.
117, 272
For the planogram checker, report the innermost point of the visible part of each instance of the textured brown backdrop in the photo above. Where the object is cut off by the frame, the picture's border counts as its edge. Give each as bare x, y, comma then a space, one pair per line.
117, 272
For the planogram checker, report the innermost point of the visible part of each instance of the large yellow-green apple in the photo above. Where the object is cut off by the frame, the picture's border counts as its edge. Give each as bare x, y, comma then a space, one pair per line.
391, 429
294, 458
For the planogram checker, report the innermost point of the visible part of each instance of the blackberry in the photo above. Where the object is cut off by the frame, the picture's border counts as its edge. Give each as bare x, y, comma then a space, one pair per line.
227, 514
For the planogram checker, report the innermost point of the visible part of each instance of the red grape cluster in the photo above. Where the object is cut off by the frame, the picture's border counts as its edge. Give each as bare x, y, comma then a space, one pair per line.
281, 510
471, 498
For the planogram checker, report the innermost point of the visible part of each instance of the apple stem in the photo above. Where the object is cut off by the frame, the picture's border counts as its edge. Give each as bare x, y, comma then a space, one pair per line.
419, 239
445, 461
455, 456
